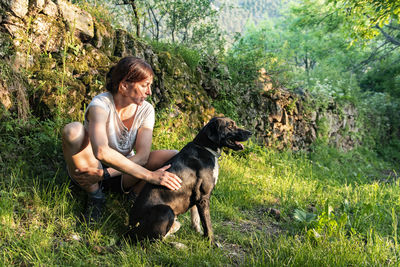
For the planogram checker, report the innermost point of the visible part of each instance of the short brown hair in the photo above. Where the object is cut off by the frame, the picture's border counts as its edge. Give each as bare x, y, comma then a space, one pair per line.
131, 69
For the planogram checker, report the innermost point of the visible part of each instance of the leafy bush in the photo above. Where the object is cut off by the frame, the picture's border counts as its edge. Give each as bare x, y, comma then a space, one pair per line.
383, 77
381, 123
190, 56
34, 146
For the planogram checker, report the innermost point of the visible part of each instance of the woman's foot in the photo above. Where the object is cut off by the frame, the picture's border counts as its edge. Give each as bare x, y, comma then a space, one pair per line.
94, 207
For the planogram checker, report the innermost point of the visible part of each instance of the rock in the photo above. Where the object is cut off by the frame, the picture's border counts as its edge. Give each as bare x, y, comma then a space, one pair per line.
276, 113
178, 245
78, 19
18, 7
275, 213
285, 118
5, 97
50, 9
313, 116
103, 38
15, 27
37, 5
47, 34
23, 60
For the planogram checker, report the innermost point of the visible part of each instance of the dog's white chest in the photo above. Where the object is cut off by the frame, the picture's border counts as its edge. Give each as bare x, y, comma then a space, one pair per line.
216, 171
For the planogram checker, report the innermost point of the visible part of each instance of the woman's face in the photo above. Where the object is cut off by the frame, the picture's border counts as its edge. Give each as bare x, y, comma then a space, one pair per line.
137, 92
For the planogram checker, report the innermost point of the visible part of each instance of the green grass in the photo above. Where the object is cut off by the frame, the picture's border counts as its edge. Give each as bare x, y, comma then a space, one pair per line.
337, 209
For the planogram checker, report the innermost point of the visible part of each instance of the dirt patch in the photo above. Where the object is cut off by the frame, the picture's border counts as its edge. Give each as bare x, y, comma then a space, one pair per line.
235, 253
259, 221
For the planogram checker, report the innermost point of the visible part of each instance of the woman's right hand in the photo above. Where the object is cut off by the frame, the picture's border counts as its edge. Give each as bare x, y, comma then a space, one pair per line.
167, 179
88, 176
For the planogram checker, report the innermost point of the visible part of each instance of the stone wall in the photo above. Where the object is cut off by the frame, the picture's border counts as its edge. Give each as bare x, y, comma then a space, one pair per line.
54, 58
286, 119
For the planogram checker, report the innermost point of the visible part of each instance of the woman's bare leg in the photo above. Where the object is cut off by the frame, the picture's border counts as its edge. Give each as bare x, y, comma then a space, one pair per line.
78, 151
78, 154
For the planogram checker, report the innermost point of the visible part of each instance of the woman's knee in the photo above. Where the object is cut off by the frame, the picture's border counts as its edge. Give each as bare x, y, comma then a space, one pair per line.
157, 158
73, 133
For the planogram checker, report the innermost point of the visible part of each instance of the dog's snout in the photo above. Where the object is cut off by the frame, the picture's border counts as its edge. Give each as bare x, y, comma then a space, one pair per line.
246, 132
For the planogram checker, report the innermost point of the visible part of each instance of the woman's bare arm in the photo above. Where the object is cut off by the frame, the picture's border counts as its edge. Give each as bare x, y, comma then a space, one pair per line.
98, 138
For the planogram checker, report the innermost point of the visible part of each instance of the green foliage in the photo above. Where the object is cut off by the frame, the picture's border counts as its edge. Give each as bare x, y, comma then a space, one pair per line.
309, 48
328, 225
33, 145
190, 56
384, 77
246, 12
303, 216
6, 47
191, 23
182, 14
171, 131
380, 117
225, 105
186, 22
97, 8
364, 15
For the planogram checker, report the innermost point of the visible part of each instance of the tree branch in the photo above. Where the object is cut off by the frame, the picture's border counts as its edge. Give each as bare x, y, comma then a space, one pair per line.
389, 38
375, 56
392, 27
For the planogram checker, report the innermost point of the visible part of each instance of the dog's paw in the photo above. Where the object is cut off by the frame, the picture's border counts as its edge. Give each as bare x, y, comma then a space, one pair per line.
217, 245
174, 228
197, 228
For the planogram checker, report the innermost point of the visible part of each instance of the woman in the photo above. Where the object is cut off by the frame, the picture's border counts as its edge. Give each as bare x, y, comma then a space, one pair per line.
113, 146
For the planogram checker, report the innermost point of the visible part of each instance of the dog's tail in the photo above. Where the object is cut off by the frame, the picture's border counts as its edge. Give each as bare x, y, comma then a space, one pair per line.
155, 224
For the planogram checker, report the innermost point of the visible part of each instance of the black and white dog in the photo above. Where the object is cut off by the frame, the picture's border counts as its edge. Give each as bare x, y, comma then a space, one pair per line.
155, 209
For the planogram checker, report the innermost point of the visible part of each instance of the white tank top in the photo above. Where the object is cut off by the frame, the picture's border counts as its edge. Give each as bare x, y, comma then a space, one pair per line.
119, 136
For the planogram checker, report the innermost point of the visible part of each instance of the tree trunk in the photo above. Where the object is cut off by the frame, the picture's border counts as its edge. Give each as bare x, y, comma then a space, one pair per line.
136, 13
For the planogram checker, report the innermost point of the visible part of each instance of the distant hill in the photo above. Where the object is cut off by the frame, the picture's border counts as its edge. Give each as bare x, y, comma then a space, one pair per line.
235, 14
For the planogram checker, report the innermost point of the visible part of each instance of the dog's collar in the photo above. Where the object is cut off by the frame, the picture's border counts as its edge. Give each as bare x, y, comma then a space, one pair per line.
216, 154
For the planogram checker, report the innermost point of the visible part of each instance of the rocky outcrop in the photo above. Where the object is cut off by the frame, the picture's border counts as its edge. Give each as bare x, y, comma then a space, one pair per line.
287, 119
66, 53
54, 58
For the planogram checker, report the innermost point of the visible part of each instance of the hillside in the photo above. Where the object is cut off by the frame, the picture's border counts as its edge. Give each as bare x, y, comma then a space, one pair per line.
234, 15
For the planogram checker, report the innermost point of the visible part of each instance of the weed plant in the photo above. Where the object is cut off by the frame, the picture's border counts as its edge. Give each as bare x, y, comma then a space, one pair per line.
336, 208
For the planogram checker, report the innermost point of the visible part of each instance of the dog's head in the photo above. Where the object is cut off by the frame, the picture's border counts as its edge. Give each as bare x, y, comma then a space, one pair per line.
223, 132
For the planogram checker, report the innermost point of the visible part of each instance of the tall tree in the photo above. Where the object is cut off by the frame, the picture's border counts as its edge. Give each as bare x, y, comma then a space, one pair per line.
135, 10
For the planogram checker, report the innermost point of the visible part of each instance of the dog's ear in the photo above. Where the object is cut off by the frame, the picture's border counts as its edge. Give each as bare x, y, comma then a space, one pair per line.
211, 130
